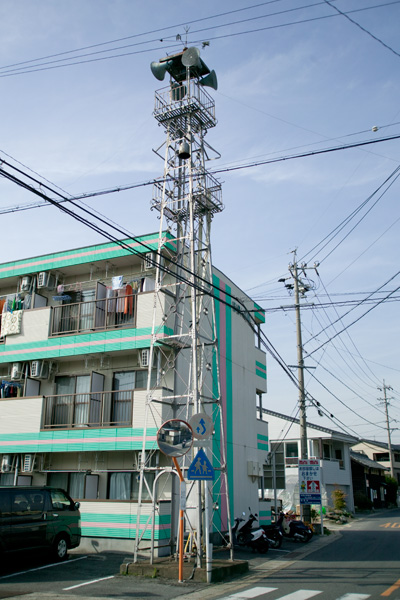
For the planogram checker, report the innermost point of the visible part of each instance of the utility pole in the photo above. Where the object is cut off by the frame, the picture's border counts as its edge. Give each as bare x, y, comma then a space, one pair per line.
385, 401
300, 364
300, 287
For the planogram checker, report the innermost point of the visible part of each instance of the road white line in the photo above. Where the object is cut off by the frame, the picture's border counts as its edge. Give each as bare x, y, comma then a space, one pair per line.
251, 593
73, 587
354, 597
300, 595
57, 564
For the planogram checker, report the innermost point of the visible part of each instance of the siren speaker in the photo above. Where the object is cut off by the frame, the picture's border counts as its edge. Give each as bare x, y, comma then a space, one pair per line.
159, 69
191, 57
184, 150
210, 80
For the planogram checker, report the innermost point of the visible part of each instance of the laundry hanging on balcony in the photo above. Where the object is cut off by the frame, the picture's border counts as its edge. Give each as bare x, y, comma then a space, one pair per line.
10, 389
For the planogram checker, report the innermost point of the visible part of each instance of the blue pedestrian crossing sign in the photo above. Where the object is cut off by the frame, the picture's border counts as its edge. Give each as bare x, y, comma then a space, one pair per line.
201, 468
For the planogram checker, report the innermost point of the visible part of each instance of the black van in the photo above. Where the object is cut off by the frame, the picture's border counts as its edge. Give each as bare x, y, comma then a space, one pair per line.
38, 517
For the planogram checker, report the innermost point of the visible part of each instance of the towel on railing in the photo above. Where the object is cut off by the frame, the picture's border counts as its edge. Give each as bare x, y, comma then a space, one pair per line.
11, 322
128, 310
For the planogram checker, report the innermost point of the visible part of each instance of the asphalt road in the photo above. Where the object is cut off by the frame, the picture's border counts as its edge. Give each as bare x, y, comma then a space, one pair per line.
360, 562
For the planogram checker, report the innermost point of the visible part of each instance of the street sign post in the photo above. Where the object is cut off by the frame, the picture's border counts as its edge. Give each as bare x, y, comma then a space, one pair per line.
309, 481
201, 469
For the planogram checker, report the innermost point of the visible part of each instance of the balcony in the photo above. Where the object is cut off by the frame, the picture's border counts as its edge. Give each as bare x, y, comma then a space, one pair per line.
94, 315
91, 409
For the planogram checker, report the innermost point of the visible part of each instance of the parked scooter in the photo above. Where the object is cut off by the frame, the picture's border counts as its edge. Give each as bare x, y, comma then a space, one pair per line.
246, 536
296, 530
274, 535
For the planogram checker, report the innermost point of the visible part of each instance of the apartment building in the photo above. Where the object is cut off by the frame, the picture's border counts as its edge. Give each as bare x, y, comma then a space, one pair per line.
76, 330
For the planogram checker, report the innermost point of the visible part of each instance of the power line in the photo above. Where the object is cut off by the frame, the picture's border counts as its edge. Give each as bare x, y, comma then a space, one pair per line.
362, 28
215, 172
335, 232
343, 403
14, 72
353, 344
322, 305
353, 322
359, 304
129, 37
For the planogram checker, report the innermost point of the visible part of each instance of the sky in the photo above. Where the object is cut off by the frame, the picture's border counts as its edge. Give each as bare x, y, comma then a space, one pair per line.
294, 78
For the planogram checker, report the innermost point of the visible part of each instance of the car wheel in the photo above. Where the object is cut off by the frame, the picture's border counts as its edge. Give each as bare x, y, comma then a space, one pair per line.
61, 548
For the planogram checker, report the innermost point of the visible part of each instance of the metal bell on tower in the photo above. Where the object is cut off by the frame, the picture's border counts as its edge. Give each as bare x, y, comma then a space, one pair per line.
184, 150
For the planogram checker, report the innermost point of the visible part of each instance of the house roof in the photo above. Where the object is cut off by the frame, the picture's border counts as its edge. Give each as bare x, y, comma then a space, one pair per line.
363, 459
332, 432
383, 445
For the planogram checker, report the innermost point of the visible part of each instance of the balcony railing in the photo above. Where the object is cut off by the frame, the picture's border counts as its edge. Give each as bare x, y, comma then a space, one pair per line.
94, 315
92, 409
291, 461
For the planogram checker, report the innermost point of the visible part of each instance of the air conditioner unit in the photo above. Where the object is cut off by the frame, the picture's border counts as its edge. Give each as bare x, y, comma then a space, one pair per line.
40, 369
150, 261
45, 280
17, 371
25, 284
144, 357
27, 465
6, 463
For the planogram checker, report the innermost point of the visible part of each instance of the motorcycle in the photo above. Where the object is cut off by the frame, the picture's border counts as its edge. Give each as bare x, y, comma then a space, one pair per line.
274, 535
255, 539
293, 529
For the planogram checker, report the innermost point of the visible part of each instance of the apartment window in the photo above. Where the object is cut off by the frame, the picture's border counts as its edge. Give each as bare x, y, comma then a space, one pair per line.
73, 483
326, 451
338, 454
64, 406
291, 454
381, 456
125, 486
259, 406
291, 450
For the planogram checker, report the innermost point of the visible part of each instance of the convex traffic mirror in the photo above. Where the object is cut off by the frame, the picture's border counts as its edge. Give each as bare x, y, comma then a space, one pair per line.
175, 438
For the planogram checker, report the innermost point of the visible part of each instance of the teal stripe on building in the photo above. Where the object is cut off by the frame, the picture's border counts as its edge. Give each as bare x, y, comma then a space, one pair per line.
261, 369
78, 440
88, 254
123, 526
76, 345
264, 517
262, 442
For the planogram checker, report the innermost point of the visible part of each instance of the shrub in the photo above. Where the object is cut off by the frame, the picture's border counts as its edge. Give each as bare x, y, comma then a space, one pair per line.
361, 501
339, 499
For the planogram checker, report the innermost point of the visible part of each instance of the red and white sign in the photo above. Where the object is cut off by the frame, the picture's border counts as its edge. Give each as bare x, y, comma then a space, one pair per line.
313, 487
309, 481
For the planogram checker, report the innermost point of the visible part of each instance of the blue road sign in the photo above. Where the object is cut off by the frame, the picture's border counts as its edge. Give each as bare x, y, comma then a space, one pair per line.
310, 498
201, 468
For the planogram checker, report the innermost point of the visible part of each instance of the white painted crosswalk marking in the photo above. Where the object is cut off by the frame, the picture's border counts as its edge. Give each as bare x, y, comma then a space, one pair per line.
255, 592
300, 595
251, 593
354, 597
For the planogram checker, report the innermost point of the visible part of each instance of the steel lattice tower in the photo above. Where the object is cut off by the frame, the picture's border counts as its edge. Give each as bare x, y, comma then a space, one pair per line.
183, 369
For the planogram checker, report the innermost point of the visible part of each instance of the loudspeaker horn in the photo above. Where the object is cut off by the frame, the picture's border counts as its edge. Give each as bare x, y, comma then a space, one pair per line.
159, 69
191, 57
210, 80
